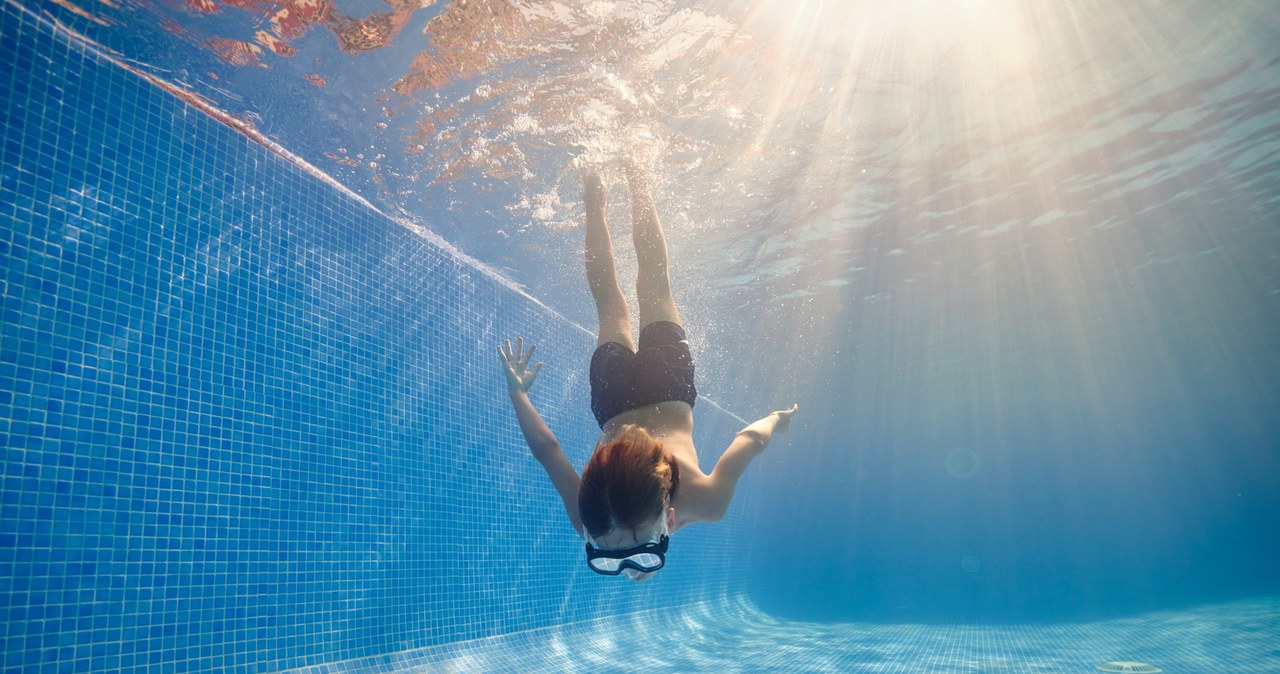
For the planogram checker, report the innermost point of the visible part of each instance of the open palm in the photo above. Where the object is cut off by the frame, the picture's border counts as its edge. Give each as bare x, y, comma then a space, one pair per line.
516, 361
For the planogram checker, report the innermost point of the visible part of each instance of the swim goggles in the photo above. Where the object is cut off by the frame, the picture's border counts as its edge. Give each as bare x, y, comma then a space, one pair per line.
647, 557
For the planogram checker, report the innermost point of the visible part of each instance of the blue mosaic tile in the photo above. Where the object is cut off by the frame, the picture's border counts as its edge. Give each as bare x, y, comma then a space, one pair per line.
251, 424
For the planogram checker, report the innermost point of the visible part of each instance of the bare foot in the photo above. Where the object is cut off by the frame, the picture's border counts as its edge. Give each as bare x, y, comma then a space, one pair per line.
637, 177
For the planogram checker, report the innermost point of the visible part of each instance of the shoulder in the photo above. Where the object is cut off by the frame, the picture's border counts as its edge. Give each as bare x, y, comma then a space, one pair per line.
697, 499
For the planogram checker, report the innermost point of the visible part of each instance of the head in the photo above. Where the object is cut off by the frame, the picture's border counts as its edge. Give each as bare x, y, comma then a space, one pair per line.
625, 496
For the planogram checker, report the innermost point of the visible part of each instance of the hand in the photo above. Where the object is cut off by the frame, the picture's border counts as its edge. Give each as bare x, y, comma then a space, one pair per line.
516, 361
784, 418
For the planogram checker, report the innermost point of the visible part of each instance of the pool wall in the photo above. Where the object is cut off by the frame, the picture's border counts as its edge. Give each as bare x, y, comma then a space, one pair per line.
251, 424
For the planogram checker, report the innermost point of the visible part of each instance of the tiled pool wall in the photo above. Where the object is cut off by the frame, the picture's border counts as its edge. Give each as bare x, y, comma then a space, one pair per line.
250, 424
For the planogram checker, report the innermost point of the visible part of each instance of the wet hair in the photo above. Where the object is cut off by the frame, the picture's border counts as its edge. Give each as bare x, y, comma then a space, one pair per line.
626, 482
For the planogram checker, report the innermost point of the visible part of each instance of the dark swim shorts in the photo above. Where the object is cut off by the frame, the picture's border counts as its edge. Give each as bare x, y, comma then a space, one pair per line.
660, 370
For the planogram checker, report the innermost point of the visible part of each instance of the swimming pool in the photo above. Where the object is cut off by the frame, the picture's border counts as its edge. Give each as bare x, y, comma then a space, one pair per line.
253, 421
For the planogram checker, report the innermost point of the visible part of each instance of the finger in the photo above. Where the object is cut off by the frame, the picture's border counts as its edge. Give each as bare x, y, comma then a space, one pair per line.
529, 356
533, 372
519, 348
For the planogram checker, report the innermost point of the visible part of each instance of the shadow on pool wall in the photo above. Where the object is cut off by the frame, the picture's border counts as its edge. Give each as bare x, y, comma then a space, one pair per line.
252, 424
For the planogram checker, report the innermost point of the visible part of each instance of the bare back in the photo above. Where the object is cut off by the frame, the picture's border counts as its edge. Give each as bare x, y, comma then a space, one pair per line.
671, 422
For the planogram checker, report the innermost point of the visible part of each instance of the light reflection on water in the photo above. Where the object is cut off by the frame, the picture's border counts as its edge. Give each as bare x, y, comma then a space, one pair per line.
732, 635
795, 145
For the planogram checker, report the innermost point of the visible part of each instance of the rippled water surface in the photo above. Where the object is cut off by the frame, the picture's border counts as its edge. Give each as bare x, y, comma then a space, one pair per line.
797, 147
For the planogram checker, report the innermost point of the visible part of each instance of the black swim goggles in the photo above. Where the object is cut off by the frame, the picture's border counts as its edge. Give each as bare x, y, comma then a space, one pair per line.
647, 557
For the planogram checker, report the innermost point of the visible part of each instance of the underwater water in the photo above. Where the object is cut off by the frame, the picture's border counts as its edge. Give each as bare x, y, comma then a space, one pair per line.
1017, 264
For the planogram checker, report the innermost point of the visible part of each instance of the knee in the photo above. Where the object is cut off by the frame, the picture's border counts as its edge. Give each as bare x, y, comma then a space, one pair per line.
609, 300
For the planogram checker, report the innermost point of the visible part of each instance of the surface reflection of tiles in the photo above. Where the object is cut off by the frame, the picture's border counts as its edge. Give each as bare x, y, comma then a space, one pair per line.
734, 636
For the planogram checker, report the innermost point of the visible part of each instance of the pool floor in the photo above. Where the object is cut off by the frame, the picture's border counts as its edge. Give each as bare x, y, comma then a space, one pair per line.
732, 635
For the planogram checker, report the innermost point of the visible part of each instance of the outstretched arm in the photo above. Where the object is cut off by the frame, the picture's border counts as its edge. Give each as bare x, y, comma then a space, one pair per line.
747, 445
542, 442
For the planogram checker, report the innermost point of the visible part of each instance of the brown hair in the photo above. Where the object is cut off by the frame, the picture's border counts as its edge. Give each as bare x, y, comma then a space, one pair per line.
626, 482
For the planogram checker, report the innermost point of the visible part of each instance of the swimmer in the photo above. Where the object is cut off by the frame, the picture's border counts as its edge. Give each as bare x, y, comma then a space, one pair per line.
643, 482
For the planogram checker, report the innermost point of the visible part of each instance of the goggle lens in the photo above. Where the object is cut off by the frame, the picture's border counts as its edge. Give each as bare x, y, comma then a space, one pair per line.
644, 561
645, 558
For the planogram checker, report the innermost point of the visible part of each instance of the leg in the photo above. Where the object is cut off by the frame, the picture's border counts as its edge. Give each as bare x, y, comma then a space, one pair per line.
653, 286
611, 305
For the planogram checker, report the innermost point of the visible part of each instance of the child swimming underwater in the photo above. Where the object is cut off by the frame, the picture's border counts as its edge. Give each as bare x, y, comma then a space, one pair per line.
643, 481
